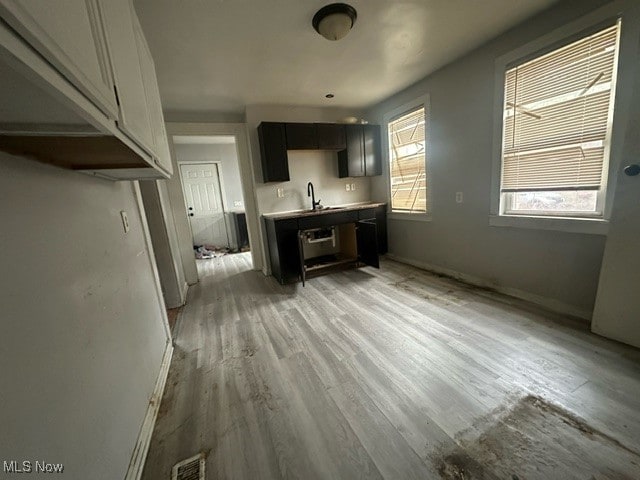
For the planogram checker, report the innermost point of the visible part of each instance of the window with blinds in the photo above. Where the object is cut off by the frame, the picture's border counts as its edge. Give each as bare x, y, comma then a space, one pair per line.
408, 162
557, 118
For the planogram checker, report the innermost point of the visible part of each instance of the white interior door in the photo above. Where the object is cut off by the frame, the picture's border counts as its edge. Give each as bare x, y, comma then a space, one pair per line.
617, 310
203, 197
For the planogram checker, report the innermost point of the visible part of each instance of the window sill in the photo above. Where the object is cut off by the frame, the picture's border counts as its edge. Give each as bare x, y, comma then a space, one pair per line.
572, 225
415, 217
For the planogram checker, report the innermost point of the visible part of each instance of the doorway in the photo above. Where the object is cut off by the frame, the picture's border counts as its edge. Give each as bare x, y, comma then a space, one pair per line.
203, 197
212, 192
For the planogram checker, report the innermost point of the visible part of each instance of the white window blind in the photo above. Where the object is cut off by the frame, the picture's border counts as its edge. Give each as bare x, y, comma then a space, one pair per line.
556, 117
407, 157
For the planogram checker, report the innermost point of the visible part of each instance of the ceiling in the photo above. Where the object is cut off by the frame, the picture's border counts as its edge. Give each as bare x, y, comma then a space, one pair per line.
221, 55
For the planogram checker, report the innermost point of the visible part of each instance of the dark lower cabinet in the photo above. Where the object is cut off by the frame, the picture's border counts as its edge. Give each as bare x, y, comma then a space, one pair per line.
282, 237
273, 152
363, 155
363, 238
367, 241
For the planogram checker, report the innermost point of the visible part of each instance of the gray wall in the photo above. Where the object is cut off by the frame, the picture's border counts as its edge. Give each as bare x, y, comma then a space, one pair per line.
319, 167
560, 267
82, 320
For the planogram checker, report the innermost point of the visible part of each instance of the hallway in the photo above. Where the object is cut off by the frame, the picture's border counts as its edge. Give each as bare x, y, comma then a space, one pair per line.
393, 374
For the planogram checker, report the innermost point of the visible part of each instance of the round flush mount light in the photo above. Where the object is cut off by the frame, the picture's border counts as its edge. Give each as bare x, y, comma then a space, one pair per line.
329, 95
334, 21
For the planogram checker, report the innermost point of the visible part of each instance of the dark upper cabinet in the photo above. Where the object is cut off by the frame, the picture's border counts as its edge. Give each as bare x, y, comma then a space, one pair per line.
363, 155
331, 136
351, 159
273, 152
301, 136
372, 150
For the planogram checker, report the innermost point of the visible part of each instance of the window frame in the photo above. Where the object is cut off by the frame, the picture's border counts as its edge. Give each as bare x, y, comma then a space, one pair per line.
576, 222
421, 102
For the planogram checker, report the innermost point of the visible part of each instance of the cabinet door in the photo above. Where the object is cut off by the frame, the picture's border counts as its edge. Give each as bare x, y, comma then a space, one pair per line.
331, 136
303, 269
273, 152
351, 160
301, 136
133, 115
381, 225
367, 240
160, 151
372, 150
70, 37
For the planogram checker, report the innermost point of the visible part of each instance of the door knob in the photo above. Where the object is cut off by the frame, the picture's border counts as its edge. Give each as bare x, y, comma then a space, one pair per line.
190, 208
632, 170
191, 214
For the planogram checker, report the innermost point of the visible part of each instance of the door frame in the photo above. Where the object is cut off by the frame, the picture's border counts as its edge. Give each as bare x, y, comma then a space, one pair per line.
178, 206
220, 185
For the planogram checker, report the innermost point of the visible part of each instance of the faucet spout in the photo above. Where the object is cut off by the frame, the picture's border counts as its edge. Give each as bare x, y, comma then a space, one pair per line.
311, 193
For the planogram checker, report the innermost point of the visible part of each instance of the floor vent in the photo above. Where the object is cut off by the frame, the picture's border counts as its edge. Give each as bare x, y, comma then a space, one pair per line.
189, 469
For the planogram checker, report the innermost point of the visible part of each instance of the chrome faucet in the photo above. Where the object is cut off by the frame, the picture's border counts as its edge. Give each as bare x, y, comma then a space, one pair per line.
311, 193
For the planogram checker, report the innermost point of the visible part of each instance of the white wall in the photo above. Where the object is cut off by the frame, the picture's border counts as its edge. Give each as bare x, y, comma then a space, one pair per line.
318, 167
227, 157
562, 268
81, 320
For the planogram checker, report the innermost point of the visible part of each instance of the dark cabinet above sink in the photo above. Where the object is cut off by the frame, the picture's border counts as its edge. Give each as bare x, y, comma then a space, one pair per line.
358, 147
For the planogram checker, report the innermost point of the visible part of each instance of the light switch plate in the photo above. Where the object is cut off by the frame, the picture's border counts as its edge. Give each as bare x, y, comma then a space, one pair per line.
237, 203
280, 192
125, 221
459, 197
353, 187
347, 187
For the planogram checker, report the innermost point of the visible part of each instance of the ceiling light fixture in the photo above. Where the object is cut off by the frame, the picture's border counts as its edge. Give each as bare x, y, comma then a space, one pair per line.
334, 21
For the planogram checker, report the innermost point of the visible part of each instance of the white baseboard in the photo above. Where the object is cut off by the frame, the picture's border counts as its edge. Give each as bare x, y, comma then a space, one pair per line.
185, 289
136, 465
548, 303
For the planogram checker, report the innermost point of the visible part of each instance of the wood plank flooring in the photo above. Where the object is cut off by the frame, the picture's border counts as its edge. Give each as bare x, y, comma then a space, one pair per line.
392, 373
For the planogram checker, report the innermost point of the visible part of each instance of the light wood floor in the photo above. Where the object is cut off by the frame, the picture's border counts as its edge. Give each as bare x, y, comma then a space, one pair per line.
390, 373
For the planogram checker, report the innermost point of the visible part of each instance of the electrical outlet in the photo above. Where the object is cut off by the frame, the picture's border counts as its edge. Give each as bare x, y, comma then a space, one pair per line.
353, 187
125, 221
280, 192
459, 197
347, 187
237, 203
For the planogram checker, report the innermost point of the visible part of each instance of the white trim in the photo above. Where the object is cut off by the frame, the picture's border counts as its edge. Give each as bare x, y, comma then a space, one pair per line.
414, 217
185, 290
545, 302
421, 101
152, 259
561, 224
139, 455
626, 56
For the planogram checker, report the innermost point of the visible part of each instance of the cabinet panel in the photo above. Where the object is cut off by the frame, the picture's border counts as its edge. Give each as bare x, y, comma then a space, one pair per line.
367, 214
381, 224
351, 159
327, 219
154, 107
78, 53
367, 239
273, 152
331, 136
372, 150
133, 115
301, 136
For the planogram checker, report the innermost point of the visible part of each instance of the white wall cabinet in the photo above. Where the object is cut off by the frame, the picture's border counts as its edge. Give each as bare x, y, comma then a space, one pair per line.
69, 36
98, 106
154, 106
